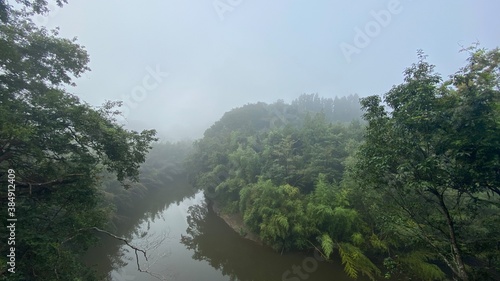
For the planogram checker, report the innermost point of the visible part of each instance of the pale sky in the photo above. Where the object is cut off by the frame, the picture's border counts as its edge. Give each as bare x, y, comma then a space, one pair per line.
223, 54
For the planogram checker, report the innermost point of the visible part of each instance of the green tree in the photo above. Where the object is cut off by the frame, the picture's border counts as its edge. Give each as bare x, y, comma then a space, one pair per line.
282, 154
275, 213
58, 146
434, 156
323, 150
338, 226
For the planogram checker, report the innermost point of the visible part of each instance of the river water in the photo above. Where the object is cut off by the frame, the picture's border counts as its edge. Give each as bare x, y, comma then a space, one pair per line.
186, 241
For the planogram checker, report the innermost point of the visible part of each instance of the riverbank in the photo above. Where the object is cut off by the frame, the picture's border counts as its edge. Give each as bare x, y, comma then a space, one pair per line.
235, 221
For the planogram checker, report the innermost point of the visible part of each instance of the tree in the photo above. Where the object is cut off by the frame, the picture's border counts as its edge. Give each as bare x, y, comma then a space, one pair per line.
434, 155
283, 158
337, 226
275, 213
56, 145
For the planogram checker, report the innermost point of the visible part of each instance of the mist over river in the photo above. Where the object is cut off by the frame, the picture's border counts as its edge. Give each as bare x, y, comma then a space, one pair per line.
186, 241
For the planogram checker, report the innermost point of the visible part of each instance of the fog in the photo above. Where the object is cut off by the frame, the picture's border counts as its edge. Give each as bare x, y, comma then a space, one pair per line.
179, 65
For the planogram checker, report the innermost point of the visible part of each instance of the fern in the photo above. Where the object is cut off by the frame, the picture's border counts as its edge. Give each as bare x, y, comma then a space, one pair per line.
281, 222
377, 243
417, 262
348, 261
357, 239
326, 244
355, 261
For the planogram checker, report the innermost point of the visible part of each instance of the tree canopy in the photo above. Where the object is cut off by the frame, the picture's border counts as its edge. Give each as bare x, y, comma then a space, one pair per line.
434, 155
57, 146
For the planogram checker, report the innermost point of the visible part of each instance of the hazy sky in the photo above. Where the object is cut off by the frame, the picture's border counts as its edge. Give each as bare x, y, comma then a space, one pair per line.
225, 53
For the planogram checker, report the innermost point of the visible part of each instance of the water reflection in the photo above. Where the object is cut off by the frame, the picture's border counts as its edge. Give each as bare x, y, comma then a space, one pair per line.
196, 245
214, 242
134, 222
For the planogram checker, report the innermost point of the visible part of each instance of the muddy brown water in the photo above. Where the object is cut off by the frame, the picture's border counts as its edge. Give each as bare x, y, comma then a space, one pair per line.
186, 241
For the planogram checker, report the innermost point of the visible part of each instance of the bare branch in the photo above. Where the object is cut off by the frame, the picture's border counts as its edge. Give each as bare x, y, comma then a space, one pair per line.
136, 249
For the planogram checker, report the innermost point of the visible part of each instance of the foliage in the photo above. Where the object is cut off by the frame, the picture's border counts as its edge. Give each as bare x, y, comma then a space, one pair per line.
355, 261
58, 146
417, 262
276, 162
418, 187
338, 226
276, 213
341, 109
434, 157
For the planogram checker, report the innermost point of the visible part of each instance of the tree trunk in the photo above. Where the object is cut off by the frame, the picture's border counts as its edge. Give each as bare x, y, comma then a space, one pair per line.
459, 269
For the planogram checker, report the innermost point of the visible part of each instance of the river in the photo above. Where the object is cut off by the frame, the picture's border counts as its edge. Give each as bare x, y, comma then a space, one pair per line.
186, 241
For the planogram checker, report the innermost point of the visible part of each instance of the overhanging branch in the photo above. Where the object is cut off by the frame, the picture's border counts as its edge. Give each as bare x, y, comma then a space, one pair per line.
136, 249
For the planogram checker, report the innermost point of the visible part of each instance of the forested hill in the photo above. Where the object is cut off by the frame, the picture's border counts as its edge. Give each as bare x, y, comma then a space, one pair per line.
306, 134
410, 194
262, 158
258, 117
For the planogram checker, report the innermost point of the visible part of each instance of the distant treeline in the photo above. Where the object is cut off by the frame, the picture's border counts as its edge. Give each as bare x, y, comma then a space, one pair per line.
258, 117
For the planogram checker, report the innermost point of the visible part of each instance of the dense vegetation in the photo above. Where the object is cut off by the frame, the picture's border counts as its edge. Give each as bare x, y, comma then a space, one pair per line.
58, 147
411, 193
